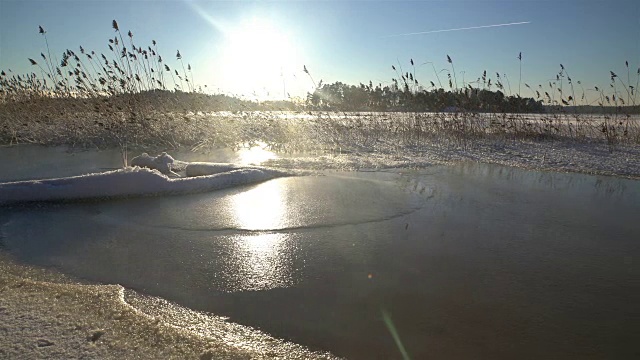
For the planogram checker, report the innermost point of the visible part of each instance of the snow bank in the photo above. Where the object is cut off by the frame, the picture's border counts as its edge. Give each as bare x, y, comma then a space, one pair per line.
132, 181
206, 168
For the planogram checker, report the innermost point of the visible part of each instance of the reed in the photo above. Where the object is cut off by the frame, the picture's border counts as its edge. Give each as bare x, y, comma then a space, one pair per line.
130, 97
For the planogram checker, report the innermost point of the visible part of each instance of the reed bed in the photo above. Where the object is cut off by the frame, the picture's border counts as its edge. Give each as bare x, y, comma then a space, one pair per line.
131, 96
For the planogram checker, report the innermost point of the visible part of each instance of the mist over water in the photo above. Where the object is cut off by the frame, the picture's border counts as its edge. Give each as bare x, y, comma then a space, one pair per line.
468, 261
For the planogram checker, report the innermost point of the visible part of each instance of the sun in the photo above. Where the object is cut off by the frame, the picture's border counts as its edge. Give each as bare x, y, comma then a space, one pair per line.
259, 60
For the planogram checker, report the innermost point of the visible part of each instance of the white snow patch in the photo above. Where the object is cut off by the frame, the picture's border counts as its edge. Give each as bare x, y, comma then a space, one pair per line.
161, 162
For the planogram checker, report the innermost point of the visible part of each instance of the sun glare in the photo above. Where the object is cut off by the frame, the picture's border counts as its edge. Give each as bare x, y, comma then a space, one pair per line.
259, 60
255, 155
261, 208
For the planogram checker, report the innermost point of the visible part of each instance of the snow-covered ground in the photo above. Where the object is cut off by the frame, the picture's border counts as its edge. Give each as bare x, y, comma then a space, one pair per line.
562, 156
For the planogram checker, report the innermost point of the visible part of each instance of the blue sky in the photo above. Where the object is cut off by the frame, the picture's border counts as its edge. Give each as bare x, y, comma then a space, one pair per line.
348, 41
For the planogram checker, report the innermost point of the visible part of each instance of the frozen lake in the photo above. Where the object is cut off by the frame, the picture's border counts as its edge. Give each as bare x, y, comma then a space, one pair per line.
463, 261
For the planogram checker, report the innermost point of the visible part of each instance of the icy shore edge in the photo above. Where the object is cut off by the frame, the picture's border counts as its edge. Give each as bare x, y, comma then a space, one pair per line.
46, 316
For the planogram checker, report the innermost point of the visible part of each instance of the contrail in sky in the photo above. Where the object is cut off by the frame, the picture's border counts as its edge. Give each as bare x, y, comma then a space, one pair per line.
458, 29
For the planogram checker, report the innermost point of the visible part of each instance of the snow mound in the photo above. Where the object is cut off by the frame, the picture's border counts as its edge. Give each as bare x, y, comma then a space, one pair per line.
162, 162
131, 181
206, 168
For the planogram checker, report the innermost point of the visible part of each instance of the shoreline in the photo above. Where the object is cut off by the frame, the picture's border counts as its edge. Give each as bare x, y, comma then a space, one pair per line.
46, 315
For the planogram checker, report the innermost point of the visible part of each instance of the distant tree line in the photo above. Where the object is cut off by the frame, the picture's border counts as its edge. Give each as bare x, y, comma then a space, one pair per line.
342, 97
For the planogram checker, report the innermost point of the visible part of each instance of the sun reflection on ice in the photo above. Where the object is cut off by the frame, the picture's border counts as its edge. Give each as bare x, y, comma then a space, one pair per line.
261, 208
262, 260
